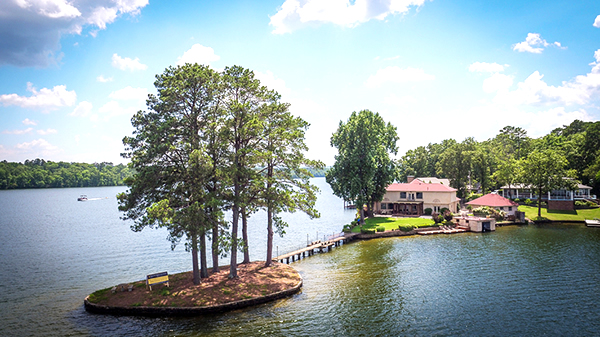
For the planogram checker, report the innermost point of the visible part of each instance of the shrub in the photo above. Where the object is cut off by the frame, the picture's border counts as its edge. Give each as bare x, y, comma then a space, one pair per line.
381, 229
405, 228
517, 200
581, 203
367, 231
473, 196
544, 204
428, 211
444, 209
470, 208
437, 218
347, 228
448, 215
528, 201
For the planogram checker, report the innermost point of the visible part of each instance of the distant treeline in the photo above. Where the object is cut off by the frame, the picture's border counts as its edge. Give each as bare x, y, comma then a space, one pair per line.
39, 173
319, 172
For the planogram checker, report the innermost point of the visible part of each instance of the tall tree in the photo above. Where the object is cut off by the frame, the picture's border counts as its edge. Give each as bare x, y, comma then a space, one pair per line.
455, 164
363, 168
544, 171
285, 170
245, 114
167, 152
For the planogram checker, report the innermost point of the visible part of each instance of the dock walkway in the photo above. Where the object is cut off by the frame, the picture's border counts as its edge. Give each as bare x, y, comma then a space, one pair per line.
318, 245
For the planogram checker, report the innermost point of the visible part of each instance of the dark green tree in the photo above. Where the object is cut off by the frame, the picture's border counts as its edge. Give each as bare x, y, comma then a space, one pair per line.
363, 168
172, 168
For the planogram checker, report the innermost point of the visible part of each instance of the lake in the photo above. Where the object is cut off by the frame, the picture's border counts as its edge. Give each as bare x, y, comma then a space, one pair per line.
519, 280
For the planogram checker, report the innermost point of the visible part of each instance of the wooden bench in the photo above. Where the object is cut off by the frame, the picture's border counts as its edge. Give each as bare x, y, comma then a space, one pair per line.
158, 278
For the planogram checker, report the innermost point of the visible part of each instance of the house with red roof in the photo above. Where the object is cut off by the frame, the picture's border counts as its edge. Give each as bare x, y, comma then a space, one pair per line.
496, 201
412, 198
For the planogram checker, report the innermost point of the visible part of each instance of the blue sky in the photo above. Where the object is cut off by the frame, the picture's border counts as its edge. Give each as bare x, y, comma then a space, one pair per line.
72, 73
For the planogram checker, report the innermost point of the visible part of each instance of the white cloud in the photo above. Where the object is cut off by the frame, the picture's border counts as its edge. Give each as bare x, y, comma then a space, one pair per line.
270, 81
83, 109
113, 108
43, 99
198, 54
129, 93
294, 14
103, 79
30, 30
497, 82
50, 8
17, 132
37, 148
395, 74
46, 132
534, 44
484, 67
27, 121
127, 63
597, 22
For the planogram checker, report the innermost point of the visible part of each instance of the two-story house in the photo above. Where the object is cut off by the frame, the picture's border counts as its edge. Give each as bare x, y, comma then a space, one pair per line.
412, 198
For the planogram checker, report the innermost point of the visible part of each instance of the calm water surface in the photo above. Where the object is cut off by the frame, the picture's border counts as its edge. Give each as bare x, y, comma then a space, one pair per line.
516, 281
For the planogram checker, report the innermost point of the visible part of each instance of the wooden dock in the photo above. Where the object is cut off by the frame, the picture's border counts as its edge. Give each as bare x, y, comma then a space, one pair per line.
315, 246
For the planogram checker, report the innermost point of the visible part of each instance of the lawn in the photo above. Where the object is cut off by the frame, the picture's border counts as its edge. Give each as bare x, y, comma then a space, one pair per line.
393, 223
531, 212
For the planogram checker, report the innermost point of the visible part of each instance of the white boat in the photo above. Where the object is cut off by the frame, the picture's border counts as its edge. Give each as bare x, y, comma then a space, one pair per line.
592, 223
82, 197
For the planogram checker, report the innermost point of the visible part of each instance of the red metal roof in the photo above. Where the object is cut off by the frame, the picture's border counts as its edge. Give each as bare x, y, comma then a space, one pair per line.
419, 186
492, 200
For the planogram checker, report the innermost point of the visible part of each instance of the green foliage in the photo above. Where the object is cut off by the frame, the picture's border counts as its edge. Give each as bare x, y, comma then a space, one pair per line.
363, 168
381, 229
367, 230
485, 211
528, 201
437, 218
427, 211
39, 173
473, 196
393, 223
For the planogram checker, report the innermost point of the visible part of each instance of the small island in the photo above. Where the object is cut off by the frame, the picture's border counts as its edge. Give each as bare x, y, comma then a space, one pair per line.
256, 284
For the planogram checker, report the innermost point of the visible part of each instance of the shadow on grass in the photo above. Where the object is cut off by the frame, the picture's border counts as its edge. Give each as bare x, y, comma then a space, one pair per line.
553, 211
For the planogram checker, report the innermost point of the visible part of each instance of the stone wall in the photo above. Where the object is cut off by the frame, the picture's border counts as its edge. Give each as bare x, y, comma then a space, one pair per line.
561, 205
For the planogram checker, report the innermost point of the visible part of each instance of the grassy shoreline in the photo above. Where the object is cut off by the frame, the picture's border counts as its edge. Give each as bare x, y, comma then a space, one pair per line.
531, 212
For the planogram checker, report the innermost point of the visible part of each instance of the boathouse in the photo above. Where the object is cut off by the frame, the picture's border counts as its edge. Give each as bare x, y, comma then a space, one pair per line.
477, 224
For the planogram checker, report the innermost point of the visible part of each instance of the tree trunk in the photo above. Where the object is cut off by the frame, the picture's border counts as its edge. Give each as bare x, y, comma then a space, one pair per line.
245, 235
215, 248
195, 270
540, 203
269, 237
203, 265
234, 232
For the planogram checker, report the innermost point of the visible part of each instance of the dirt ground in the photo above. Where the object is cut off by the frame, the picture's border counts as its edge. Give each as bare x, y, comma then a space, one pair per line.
255, 280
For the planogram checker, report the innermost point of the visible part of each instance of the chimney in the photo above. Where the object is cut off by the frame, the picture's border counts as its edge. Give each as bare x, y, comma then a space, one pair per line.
409, 179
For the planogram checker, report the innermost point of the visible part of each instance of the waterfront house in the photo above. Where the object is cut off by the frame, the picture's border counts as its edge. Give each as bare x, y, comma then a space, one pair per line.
559, 199
497, 202
413, 197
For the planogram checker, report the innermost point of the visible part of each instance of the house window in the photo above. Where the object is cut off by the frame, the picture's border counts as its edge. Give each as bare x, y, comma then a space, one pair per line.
383, 206
510, 208
402, 195
436, 209
419, 195
501, 208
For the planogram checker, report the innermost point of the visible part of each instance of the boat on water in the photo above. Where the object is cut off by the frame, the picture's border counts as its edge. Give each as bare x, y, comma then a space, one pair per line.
82, 197
592, 223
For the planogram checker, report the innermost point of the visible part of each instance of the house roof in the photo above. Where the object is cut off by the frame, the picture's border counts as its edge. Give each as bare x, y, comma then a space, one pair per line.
492, 200
419, 186
434, 180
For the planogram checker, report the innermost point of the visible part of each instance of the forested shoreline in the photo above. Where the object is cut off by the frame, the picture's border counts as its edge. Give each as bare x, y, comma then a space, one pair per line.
510, 158
39, 173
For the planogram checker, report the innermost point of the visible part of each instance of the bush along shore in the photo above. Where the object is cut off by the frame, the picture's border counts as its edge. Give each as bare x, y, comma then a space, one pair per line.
256, 284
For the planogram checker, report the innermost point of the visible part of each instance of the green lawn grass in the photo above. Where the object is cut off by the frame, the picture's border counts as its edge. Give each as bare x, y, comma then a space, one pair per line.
393, 223
531, 212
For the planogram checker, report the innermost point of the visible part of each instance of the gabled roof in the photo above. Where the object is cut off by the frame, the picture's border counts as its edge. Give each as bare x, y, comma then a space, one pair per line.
492, 200
419, 186
434, 180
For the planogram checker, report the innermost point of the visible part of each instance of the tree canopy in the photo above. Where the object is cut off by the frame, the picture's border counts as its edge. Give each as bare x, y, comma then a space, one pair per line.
363, 168
212, 142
